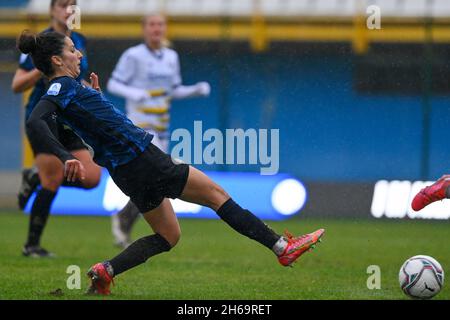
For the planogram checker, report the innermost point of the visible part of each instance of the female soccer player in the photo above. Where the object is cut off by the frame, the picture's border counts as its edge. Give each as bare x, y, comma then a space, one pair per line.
140, 169
49, 167
148, 76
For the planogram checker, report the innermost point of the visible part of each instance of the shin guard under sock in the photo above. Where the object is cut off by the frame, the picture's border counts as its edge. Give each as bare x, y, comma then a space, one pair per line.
247, 224
138, 252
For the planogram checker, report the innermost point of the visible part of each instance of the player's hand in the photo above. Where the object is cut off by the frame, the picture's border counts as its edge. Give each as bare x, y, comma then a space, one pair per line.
94, 82
203, 89
73, 170
141, 95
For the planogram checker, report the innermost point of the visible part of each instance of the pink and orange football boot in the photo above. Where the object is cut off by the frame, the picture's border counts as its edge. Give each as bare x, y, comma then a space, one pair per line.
100, 280
299, 245
435, 192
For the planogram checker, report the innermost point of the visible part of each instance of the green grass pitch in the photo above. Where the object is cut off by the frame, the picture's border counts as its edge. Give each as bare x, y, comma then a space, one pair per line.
213, 262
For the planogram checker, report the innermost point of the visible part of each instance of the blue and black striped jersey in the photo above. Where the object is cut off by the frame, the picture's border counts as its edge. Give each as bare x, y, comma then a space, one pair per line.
114, 138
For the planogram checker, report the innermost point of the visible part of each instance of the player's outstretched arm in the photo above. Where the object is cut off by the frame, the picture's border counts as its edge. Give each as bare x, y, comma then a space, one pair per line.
125, 91
41, 138
200, 89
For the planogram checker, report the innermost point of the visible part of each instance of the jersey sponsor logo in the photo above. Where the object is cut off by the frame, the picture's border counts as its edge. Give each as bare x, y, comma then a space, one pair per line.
54, 89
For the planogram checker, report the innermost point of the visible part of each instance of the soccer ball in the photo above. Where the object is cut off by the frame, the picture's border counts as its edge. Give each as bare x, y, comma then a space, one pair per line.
421, 277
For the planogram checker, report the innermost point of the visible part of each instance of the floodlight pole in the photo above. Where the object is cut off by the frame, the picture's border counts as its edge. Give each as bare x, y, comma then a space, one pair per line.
427, 92
224, 81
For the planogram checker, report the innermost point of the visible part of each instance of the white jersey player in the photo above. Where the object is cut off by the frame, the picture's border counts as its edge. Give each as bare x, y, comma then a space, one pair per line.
148, 77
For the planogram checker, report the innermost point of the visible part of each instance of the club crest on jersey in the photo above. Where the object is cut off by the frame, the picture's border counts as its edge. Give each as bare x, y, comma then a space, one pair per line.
54, 89
23, 57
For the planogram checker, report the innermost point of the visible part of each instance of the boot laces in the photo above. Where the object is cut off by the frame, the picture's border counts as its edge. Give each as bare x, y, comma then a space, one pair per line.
295, 240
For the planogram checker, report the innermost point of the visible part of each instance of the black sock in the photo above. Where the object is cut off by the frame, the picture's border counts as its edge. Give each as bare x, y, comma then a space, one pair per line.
39, 214
128, 216
138, 252
247, 224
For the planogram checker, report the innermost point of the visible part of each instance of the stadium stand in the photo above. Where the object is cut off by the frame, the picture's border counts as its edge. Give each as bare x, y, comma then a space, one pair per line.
269, 8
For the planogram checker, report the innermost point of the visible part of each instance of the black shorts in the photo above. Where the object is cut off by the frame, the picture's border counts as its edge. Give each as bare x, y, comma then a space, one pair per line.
69, 139
150, 178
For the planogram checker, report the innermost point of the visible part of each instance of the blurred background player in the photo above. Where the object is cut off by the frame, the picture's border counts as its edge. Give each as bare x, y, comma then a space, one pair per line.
148, 77
49, 170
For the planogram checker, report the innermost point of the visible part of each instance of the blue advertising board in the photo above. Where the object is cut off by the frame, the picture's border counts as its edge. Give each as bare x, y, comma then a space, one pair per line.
274, 197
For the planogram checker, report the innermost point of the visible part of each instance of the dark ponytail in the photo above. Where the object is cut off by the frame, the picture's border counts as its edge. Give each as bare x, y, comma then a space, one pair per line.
41, 48
27, 42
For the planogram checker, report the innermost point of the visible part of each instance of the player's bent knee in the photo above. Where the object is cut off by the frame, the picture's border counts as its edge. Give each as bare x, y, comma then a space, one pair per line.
172, 237
175, 238
93, 176
90, 183
52, 182
222, 194
217, 196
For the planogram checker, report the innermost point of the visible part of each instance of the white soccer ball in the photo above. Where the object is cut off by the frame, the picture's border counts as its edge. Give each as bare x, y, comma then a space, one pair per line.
421, 277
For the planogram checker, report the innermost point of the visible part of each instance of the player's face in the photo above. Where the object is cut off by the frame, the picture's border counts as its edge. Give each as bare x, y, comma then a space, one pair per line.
71, 59
59, 11
154, 29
